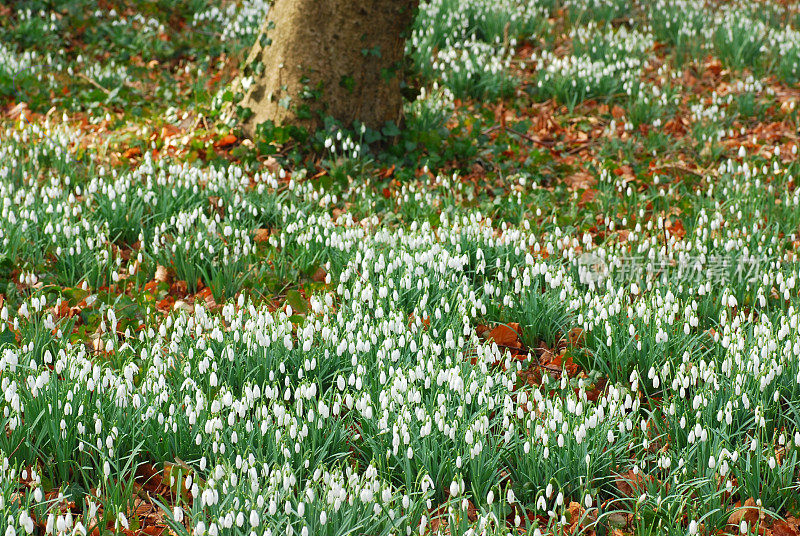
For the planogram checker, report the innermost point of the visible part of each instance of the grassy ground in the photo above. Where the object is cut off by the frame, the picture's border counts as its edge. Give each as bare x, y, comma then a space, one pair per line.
564, 301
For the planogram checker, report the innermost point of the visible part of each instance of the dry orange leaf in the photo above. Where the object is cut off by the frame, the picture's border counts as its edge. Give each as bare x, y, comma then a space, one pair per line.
580, 180
170, 131
226, 141
386, 173
626, 172
423, 321
576, 336
162, 274
166, 304
714, 66
786, 528
506, 335
587, 197
748, 513
151, 286
132, 152
213, 80
567, 364
677, 230
208, 299
319, 275
261, 235
575, 512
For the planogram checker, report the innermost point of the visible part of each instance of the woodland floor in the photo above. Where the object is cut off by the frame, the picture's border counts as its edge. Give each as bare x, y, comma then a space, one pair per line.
561, 298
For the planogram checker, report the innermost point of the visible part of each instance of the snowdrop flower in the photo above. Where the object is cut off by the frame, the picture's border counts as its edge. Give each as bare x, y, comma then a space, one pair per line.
453, 489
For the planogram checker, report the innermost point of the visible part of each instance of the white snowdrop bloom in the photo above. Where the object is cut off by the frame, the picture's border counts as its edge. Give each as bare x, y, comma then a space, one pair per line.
454, 488
510, 497
254, 519
26, 522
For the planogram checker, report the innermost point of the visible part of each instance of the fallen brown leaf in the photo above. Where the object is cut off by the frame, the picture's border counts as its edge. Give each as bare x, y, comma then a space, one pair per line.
576, 336
713, 66
632, 484
132, 152
677, 230
261, 235
748, 512
319, 275
272, 164
580, 180
166, 304
785, 528
162, 274
16, 111
506, 335
226, 141
565, 364
179, 288
587, 197
208, 299
575, 513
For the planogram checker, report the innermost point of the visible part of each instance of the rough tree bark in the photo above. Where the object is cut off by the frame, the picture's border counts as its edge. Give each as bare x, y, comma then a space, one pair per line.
341, 58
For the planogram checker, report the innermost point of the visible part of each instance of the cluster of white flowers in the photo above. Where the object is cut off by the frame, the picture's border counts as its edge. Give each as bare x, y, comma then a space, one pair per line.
604, 62
612, 44
598, 10
236, 21
739, 33
575, 78
467, 46
386, 367
19, 67
785, 45
679, 22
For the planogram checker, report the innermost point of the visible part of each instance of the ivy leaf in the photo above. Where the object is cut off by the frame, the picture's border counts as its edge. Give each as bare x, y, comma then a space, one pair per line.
390, 130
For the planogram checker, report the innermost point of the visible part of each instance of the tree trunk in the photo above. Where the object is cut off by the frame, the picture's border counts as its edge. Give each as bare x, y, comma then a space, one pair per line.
339, 58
